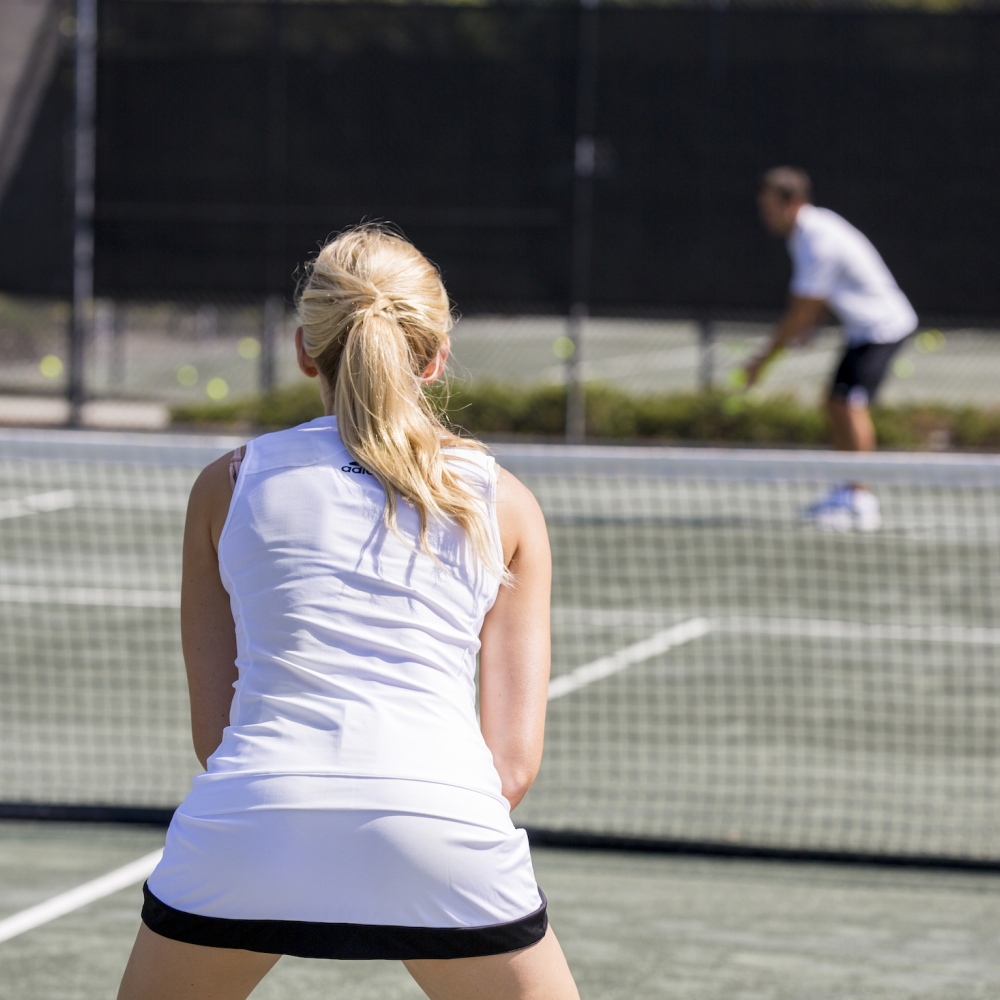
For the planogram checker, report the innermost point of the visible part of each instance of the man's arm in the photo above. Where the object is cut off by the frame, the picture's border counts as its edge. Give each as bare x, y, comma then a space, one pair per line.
800, 315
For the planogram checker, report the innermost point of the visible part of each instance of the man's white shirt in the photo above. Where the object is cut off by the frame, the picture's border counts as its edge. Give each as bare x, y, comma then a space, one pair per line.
832, 260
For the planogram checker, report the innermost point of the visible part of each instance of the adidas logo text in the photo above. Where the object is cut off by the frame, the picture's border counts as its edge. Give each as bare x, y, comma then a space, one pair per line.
356, 468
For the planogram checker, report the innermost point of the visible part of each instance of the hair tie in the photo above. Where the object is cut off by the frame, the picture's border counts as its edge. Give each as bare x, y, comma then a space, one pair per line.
382, 305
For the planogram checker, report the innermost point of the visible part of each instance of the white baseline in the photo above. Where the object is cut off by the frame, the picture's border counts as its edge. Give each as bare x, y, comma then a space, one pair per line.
805, 628
67, 902
36, 503
659, 642
109, 597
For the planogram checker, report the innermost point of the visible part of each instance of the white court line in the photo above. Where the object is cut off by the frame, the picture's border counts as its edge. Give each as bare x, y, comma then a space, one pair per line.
624, 658
802, 628
114, 597
36, 503
67, 902
822, 628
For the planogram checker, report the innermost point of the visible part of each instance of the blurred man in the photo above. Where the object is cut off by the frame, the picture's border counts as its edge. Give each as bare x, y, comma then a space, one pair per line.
836, 269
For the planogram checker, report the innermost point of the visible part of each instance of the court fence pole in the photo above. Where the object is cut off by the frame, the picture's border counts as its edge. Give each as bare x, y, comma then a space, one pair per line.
271, 327
83, 202
576, 405
706, 358
277, 175
584, 168
711, 191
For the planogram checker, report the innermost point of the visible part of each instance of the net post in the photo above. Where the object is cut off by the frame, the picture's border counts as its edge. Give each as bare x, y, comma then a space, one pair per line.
584, 169
85, 101
706, 358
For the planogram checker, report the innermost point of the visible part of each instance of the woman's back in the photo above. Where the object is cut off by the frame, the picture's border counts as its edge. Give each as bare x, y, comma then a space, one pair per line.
356, 647
342, 585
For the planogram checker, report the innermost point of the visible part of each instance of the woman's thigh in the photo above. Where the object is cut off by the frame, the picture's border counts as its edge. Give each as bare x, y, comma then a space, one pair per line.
536, 973
162, 969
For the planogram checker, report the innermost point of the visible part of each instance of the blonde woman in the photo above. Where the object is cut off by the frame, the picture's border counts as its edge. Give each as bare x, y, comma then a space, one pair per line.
341, 576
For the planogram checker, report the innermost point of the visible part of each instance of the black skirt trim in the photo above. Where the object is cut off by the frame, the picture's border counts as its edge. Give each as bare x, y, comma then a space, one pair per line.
312, 939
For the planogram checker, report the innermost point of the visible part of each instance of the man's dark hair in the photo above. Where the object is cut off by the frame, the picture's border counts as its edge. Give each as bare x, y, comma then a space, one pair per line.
788, 182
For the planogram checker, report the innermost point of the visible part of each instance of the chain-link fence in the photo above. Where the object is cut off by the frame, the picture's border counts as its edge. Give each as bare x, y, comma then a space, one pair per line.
952, 366
171, 353
143, 357
232, 138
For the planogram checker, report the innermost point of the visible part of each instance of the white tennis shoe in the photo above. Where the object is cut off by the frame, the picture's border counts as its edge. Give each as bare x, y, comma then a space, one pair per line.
846, 508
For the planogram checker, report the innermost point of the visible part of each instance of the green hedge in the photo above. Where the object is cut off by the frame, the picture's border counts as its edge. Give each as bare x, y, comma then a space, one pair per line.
711, 417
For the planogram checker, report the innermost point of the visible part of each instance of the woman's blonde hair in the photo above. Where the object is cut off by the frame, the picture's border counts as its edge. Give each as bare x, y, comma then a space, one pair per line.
374, 316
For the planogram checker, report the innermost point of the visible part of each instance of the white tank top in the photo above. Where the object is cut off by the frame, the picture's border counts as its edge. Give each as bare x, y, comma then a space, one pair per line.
356, 650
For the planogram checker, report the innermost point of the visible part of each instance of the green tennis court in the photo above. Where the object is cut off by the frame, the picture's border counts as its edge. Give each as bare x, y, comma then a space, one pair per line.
634, 927
726, 678
724, 673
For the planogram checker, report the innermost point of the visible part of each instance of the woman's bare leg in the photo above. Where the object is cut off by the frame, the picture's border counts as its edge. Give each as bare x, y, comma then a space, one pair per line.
536, 973
162, 969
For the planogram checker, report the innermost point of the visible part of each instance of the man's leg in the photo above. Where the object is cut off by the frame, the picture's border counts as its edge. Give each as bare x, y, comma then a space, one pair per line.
855, 384
851, 426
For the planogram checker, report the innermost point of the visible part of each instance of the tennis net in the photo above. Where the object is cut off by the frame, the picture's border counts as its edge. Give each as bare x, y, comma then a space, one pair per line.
724, 672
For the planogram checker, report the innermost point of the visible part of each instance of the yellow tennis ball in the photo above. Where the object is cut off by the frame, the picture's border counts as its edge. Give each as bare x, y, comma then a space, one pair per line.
563, 348
50, 366
249, 348
930, 341
217, 389
737, 378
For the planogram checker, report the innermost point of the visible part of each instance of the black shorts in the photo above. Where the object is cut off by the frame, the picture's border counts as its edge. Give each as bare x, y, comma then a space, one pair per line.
861, 371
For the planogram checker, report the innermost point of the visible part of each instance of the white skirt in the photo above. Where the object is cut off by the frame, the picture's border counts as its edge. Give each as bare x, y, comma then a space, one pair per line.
292, 864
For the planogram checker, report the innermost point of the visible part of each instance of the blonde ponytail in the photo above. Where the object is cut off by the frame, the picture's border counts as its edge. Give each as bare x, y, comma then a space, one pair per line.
374, 316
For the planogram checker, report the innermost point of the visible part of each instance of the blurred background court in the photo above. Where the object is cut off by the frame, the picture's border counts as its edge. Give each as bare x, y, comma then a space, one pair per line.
727, 681
773, 756
168, 353
530, 131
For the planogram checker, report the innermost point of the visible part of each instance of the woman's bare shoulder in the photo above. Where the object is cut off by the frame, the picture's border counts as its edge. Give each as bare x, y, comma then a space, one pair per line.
518, 513
211, 495
510, 490
212, 480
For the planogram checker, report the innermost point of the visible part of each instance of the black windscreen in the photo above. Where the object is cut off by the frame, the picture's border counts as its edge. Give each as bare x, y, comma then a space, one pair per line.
233, 138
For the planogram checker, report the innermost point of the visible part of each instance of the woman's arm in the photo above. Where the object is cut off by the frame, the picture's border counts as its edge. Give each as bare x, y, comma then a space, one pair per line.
515, 655
208, 634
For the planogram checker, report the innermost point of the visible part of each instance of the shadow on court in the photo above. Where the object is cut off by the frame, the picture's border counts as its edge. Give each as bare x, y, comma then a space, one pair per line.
633, 926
